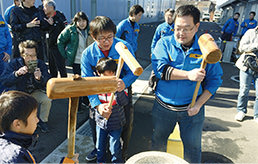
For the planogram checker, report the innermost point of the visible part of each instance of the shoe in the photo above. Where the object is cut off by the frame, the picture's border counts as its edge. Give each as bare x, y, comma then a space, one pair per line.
43, 126
92, 156
240, 116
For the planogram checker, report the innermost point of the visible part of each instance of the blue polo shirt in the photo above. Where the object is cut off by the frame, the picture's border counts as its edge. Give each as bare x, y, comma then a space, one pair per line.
168, 52
126, 31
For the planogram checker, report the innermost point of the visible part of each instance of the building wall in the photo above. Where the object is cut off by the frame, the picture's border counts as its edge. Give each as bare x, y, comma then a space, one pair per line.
115, 9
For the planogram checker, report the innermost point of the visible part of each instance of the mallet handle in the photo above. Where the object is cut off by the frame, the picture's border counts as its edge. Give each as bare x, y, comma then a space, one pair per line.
203, 65
118, 72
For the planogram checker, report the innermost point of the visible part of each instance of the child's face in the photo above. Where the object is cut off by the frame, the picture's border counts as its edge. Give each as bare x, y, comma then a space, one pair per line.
108, 73
105, 40
32, 122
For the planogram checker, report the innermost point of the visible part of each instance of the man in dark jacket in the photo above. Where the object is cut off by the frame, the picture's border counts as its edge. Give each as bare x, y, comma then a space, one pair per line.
56, 60
27, 22
30, 75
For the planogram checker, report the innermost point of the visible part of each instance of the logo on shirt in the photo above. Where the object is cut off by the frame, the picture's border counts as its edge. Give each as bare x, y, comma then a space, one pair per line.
116, 60
137, 30
196, 56
2, 23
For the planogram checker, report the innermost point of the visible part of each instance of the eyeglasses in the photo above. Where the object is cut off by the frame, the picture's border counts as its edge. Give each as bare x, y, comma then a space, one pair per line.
184, 30
103, 39
29, 55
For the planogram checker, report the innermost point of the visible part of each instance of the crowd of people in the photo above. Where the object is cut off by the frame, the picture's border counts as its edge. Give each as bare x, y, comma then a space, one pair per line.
31, 36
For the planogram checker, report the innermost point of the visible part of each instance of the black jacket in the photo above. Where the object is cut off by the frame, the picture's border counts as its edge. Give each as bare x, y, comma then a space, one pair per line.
20, 16
55, 29
14, 148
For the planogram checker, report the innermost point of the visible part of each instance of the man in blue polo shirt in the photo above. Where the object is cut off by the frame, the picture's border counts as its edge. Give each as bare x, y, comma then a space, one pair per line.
230, 27
176, 62
128, 29
248, 23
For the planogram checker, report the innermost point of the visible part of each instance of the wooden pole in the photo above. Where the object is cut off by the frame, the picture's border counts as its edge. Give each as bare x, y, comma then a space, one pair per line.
118, 72
72, 118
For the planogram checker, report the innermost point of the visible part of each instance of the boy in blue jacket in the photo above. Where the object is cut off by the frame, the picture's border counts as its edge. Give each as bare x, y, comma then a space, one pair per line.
18, 121
113, 126
103, 30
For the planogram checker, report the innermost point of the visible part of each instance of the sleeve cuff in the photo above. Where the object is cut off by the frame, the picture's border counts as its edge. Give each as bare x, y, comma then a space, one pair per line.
167, 71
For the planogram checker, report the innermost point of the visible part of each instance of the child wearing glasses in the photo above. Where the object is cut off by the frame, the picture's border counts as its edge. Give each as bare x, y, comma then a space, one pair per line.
103, 30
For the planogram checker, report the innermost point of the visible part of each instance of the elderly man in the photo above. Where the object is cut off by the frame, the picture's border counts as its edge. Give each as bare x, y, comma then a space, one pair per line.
57, 24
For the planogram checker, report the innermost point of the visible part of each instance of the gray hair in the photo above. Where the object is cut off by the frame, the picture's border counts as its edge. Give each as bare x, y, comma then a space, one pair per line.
50, 3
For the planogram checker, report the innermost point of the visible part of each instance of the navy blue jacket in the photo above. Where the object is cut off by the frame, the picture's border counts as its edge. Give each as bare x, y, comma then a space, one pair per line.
14, 148
117, 117
26, 83
20, 16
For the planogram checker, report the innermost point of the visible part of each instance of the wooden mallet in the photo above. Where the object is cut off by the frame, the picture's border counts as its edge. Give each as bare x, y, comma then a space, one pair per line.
59, 88
129, 59
211, 54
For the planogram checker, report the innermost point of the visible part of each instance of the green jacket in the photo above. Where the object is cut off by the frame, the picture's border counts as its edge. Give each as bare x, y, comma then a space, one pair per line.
68, 41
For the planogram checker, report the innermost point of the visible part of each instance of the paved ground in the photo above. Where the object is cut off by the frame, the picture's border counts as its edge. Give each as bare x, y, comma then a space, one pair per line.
224, 140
